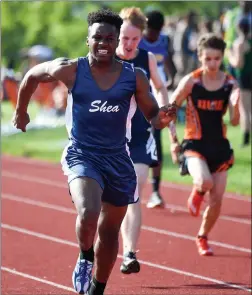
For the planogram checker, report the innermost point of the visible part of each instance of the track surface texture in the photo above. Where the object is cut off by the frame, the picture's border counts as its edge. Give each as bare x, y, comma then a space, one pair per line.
39, 247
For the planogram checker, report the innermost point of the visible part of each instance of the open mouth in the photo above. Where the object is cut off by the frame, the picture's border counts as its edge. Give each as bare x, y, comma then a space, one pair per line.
128, 50
102, 52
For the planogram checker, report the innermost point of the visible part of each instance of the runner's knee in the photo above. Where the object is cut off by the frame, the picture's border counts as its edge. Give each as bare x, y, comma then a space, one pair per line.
110, 221
200, 173
215, 199
88, 216
215, 202
142, 175
86, 194
203, 184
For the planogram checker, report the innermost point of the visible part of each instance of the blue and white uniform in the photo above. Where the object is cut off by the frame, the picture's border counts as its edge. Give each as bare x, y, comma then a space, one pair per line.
99, 124
160, 49
142, 145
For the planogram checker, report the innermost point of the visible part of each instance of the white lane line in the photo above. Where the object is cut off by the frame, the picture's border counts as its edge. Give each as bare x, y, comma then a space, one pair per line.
173, 208
38, 203
167, 184
30, 161
154, 265
189, 274
27, 276
191, 238
39, 180
186, 188
64, 185
144, 227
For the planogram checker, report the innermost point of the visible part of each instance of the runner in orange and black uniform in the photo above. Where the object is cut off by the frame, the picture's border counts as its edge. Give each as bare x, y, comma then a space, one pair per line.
206, 152
205, 132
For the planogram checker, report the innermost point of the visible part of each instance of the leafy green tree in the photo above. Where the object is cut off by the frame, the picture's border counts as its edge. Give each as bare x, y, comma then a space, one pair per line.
62, 25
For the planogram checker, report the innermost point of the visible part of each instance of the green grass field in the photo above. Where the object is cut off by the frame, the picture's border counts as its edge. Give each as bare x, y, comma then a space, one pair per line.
48, 144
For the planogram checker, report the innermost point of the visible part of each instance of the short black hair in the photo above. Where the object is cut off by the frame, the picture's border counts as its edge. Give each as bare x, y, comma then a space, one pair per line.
155, 20
105, 16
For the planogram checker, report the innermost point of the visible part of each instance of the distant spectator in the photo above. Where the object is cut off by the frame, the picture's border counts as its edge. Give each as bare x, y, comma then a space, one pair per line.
50, 96
186, 42
160, 45
230, 24
206, 26
240, 58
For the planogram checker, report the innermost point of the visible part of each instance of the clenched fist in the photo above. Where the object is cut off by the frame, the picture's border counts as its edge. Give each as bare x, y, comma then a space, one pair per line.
166, 114
20, 120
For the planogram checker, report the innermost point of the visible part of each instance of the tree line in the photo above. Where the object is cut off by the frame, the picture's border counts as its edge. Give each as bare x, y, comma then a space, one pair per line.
62, 25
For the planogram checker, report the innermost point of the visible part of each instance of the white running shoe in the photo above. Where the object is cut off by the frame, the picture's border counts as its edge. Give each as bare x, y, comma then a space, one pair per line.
130, 263
82, 275
155, 201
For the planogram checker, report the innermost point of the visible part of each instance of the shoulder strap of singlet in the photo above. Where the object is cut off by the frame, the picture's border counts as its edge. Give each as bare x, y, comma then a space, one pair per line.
196, 75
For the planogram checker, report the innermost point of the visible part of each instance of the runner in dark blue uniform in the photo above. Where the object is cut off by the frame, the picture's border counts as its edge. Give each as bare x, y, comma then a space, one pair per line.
160, 45
101, 176
142, 145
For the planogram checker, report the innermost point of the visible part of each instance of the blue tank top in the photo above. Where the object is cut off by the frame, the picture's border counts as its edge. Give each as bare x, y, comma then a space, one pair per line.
160, 50
99, 120
140, 131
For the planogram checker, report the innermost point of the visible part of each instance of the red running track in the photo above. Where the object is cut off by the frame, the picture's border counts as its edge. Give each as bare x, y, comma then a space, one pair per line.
39, 248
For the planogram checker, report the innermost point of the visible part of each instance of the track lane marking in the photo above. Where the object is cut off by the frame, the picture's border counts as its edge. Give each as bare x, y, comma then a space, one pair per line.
148, 263
144, 227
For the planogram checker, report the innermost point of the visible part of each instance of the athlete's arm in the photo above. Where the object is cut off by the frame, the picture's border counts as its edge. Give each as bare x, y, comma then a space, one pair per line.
234, 101
177, 98
162, 94
182, 91
60, 69
169, 66
162, 97
179, 95
159, 117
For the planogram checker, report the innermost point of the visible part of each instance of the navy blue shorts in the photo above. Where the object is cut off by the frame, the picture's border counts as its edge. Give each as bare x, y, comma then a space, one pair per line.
114, 172
144, 152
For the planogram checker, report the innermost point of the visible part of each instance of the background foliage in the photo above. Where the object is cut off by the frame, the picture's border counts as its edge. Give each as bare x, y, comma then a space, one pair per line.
62, 24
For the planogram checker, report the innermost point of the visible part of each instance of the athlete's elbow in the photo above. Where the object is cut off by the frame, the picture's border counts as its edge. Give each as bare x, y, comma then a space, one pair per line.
29, 83
30, 77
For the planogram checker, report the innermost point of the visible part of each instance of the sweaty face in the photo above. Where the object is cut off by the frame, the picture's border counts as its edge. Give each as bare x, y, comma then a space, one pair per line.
211, 59
102, 41
130, 37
